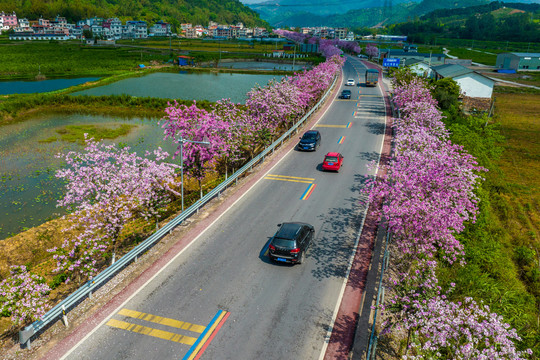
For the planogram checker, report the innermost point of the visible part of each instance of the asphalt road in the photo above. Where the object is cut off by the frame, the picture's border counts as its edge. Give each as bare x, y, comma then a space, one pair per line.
225, 281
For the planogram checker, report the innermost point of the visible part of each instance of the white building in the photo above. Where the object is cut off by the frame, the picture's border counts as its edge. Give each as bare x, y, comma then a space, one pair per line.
472, 84
112, 28
160, 29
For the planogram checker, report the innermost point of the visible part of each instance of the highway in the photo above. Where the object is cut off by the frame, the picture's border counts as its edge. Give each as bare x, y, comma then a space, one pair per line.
222, 298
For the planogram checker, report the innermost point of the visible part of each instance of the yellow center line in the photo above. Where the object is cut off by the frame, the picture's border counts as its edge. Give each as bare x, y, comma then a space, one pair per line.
163, 321
290, 177
139, 329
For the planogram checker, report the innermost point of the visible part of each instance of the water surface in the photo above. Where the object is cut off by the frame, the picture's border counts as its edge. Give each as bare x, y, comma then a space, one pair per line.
41, 86
28, 186
196, 86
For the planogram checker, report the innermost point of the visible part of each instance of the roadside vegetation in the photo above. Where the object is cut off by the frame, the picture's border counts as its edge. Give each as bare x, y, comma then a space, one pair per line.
111, 212
26, 60
74, 59
501, 247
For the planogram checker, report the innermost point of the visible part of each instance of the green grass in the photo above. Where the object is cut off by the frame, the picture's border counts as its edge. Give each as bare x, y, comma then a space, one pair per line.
254, 47
75, 133
503, 246
478, 56
484, 45
23, 60
18, 59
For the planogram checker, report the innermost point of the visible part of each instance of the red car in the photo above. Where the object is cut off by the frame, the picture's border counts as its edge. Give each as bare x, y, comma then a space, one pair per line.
332, 161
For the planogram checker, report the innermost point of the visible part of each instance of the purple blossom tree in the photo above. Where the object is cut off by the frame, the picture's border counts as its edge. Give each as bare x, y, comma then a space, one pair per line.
427, 195
372, 51
23, 295
106, 187
443, 329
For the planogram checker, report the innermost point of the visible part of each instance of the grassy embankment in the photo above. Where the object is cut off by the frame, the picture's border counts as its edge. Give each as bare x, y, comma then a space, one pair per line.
503, 246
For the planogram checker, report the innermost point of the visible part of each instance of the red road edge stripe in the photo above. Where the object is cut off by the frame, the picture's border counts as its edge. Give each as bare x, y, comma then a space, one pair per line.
344, 329
212, 336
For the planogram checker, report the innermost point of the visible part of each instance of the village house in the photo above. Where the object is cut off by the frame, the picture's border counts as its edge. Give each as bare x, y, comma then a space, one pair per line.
160, 28
472, 83
476, 89
518, 61
8, 21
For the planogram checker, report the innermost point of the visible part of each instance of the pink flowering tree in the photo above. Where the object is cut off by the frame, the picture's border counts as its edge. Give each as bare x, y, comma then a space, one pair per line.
23, 296
234, 130
427, 196
192, 123
428, 189
106, 187
276, 105
242, 133
372, 51
327, 47
443, 329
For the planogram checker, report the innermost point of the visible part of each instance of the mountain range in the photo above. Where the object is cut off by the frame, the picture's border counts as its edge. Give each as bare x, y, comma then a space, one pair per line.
352, 13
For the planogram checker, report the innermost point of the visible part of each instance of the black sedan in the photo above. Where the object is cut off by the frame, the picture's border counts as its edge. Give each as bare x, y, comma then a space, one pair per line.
290, 242
310, 141
345, 94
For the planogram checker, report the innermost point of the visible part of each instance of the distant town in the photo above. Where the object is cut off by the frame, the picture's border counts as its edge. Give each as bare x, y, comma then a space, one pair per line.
114, 29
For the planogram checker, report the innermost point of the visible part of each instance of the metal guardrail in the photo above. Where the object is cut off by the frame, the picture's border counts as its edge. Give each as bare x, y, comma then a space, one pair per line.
87, 289
372, 346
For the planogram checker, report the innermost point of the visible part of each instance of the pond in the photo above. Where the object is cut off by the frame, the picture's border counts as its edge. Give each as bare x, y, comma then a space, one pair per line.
28, 87
196, 86
28, 186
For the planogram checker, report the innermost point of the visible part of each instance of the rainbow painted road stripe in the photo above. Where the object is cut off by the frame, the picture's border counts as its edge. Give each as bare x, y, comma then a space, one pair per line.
202, 342
341, 140
308, 192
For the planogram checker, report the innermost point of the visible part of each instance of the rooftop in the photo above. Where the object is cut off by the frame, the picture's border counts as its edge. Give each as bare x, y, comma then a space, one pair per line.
451, 70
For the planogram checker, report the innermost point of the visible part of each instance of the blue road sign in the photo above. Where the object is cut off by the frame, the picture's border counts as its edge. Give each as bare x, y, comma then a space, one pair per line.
390, 62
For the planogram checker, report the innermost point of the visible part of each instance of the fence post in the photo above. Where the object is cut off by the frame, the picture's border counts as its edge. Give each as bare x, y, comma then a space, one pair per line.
64, 316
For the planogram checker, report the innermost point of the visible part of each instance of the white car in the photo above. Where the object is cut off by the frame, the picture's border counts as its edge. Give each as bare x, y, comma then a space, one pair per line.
350, 82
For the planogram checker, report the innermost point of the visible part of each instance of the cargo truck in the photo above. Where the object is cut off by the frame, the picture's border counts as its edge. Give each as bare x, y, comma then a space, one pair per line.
372, 76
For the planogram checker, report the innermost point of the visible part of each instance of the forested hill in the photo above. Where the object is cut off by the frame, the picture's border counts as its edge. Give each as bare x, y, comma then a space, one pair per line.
173, 11
495, 21
480, 9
